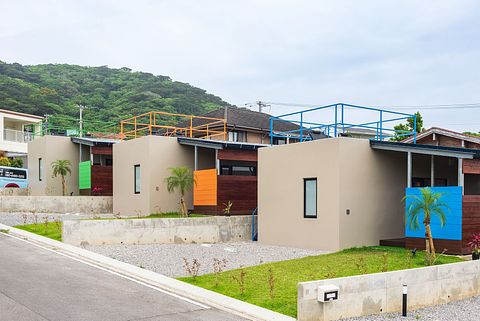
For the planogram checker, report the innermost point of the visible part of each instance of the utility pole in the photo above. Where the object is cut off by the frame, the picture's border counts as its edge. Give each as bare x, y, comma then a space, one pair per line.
45, 125
261, 105
82, 107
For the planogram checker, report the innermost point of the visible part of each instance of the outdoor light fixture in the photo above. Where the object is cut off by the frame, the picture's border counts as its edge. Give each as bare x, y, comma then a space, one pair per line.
327, 293
404, 300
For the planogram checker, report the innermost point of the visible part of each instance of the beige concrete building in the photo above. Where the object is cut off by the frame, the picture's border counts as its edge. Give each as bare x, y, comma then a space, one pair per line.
41, 153
139, 171
330, 194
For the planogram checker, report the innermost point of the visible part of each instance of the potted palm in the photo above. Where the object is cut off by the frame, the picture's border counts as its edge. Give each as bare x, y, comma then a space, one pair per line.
475, 246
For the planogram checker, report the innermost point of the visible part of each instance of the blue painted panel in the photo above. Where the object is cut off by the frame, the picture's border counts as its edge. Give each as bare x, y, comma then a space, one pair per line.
452, 196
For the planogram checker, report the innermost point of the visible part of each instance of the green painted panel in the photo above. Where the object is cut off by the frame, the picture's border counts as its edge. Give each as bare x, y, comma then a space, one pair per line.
84, 174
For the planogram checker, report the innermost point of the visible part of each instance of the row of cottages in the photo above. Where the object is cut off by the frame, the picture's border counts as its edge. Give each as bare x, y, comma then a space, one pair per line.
220, 147
343, 192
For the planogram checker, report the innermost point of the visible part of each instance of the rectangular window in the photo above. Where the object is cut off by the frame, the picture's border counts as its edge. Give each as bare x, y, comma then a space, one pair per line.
237, 136
40, 169
137, 178
310, 197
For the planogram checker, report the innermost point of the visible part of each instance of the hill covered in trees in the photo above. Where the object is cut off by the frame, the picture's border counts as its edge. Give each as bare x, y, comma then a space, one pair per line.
109, 94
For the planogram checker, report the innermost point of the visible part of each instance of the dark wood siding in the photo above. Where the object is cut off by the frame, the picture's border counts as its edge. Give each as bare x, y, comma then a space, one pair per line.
471, 166
470, 219
237, 155
102, 150
240, 190
452, 246
102, 176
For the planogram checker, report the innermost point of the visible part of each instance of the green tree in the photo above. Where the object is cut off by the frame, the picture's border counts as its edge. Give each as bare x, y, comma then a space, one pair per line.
62, 168
181, 179
427, 204
402, 129
16, 162
4, 161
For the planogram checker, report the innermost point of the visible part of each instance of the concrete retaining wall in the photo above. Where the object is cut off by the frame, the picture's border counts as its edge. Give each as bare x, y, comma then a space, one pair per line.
158, 230
14, 191
382, 292
57, 204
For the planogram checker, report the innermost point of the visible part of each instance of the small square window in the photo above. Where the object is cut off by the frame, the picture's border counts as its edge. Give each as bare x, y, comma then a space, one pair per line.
310, 197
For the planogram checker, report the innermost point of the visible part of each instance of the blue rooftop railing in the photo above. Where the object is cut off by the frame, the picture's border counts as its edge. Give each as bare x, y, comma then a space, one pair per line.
383, 123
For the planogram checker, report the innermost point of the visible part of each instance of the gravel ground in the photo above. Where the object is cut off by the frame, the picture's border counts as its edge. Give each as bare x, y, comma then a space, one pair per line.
465, 310
12, 219
167, 259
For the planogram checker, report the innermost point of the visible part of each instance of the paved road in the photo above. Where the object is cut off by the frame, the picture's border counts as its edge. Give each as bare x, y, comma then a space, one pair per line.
38, 285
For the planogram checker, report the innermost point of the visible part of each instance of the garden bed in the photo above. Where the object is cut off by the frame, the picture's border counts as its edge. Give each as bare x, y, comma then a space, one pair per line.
287, 274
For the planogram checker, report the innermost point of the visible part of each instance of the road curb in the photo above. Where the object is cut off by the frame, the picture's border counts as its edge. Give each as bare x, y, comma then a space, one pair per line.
177, 287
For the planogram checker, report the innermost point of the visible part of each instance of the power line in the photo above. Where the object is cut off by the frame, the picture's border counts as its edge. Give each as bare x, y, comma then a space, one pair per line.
414, 107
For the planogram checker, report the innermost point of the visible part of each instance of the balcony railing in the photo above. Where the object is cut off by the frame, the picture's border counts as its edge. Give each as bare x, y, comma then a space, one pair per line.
18, 136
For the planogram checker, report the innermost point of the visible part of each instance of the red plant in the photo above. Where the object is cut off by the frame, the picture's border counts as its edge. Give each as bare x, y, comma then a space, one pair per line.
475, 242
97, 190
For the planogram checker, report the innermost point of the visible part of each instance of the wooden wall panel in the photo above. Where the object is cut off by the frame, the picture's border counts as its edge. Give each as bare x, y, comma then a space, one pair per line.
102, 150
240, 190
470, 219
471, 166
452, 246
102, 176
238, 155
205, 187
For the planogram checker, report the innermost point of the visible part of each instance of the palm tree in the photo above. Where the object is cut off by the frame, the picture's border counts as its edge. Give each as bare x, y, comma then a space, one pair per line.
181, 179
62, 167
428, 203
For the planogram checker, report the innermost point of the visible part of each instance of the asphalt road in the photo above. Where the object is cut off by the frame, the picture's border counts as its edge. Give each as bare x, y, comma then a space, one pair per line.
38, 285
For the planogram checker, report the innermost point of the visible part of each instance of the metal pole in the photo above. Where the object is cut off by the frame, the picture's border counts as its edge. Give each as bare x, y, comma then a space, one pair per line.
409, 169
336, 122
404, 300
81, 120
381, 125
432, 171
414, 128
271, 131
301, 127
196, 157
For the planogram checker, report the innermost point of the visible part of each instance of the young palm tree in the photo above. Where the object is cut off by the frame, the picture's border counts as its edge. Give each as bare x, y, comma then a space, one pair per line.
428, 203
62, 168
181, 179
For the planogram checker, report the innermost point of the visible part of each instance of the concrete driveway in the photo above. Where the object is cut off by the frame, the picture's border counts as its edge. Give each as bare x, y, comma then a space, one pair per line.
37, 284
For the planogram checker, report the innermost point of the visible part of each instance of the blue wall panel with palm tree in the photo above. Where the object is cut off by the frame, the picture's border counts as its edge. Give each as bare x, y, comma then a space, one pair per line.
451, 196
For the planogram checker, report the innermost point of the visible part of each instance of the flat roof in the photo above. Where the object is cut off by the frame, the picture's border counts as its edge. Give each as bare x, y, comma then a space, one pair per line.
426, 149
218, 144
94, 141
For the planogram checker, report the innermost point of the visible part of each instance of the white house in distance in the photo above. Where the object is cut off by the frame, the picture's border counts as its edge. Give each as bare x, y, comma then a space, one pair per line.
17, 130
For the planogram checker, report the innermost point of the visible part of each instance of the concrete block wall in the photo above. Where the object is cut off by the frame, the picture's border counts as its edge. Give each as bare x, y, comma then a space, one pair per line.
382, 292
213, 229
57, 204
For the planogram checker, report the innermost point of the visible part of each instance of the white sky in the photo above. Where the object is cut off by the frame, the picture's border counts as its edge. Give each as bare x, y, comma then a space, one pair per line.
314, 52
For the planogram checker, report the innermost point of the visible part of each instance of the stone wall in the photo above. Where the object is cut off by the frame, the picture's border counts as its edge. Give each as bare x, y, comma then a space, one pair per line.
382, 292
8, 191
158, 230
57, 204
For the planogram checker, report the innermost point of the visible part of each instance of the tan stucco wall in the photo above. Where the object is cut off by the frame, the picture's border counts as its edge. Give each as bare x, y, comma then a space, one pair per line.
281, 170
51, 149
155, 155
372, 184
350, 175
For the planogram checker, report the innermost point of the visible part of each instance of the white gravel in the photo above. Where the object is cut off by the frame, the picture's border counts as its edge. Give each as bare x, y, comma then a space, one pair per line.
465, 310
168, 259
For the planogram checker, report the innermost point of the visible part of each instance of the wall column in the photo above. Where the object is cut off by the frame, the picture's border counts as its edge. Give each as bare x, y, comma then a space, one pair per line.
432, 171
409, 169
196, 158
460, 174
217, 162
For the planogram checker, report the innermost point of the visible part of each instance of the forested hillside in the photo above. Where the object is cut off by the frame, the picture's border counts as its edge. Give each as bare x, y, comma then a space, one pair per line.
109, 94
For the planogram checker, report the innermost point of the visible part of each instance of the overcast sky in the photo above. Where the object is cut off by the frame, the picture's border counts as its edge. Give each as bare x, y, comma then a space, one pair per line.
374, 53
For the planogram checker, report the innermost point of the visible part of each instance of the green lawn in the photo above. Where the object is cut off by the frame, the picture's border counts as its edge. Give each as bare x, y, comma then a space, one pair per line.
288, 273
51, 229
